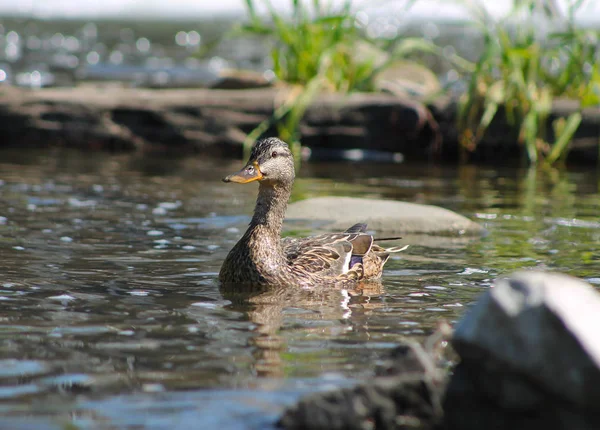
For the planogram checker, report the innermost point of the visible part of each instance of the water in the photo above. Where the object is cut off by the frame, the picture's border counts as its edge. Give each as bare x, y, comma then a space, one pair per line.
111, 315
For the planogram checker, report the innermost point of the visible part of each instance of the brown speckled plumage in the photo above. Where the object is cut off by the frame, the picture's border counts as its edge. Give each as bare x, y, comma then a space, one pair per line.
261, 257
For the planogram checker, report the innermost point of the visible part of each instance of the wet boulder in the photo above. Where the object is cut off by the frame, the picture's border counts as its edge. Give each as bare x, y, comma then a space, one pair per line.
383, 216
530, 356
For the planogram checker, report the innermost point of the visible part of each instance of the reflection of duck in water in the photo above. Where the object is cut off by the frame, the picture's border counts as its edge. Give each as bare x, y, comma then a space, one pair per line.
313, 312
262, 257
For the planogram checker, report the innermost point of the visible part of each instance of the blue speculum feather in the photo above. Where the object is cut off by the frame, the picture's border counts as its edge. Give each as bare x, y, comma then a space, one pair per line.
355, 259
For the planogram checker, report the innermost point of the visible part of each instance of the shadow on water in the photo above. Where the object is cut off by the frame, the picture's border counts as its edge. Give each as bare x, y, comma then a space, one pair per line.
112, 316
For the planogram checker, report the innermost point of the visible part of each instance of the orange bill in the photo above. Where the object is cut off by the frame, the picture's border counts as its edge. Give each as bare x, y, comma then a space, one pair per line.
250, 173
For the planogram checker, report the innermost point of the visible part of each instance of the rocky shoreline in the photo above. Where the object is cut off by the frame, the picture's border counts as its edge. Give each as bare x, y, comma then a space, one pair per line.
216, 121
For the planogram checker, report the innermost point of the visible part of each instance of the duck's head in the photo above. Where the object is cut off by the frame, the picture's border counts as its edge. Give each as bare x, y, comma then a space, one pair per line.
271, 161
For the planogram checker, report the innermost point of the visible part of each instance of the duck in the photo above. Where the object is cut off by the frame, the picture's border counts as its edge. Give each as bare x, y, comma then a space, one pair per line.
262, 257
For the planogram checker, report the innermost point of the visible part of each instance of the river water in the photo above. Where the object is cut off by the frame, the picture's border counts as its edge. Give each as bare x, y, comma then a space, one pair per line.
111, 315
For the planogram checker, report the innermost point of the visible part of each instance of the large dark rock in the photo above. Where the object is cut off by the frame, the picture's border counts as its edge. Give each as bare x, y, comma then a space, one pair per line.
530, 357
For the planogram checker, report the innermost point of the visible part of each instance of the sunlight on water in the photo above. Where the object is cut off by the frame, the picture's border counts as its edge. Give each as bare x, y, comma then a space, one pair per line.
112, 314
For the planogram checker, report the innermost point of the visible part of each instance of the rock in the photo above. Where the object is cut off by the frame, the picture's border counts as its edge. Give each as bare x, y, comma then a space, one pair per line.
501, 139
543, 325
383, 216
211, 121
408, 79
371, 121
530, 356
408, 396
233, 79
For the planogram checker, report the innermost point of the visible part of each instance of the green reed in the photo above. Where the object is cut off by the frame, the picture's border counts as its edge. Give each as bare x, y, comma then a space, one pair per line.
315, 49
521, 73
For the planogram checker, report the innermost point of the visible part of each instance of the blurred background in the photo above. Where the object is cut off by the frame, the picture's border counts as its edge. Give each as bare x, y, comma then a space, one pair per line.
189, 42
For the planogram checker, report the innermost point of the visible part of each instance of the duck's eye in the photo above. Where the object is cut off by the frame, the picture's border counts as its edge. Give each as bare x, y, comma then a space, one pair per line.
274, 154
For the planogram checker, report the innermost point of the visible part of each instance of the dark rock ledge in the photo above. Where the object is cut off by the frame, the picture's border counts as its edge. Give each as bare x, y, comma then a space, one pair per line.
202, 120
215, 121
528, 357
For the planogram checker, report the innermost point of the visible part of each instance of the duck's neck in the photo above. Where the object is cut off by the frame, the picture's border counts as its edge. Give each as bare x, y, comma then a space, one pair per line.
270, 207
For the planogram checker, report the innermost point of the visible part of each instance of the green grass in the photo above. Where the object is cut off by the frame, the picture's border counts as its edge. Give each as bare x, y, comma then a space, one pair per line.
320, 40
315, 49
522, 73
519, 73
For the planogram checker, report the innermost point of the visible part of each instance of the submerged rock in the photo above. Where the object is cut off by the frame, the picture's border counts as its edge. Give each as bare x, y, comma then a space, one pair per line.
383, 216
530, 356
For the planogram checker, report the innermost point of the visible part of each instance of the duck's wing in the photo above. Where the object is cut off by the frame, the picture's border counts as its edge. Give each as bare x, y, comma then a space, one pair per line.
327, 260
294, 246
329, 255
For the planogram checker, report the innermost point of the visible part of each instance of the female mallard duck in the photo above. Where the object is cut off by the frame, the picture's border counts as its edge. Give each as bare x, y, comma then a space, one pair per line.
261, 257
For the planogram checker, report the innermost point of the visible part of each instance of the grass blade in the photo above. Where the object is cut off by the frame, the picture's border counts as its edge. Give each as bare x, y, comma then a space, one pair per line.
560, 146
529, 131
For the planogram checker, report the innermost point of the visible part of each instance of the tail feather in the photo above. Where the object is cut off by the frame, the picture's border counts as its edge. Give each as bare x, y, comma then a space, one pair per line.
396, 249
374, 261
357, 228
381, 239
367, 259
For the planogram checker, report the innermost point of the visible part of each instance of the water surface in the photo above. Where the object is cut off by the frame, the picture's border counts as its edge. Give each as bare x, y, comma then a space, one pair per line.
111, 315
